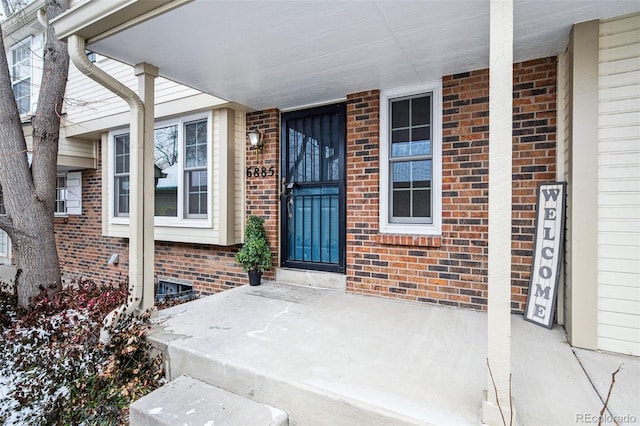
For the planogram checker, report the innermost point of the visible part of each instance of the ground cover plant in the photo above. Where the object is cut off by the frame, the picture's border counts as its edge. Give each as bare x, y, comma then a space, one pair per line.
54, 370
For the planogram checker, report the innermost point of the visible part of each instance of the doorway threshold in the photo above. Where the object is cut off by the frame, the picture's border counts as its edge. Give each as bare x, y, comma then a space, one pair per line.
308, 278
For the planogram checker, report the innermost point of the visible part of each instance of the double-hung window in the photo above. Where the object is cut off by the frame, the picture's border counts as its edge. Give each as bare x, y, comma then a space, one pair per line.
181, 172
61, 194
121, 174
195, 170
410, 161
21, 74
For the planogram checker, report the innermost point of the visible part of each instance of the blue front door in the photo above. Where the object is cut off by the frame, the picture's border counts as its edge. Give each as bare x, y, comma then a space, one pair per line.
313, 188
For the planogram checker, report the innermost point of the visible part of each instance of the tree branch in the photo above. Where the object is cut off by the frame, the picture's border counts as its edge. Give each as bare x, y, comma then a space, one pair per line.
606, 402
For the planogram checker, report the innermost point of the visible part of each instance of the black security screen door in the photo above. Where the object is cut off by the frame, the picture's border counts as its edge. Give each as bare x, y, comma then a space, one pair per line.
313, 188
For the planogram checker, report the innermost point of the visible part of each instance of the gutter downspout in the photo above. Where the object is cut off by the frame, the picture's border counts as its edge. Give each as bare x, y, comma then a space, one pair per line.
76, 46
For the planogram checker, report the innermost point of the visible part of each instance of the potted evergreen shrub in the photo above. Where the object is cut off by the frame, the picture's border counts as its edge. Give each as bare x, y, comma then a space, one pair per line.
255, 255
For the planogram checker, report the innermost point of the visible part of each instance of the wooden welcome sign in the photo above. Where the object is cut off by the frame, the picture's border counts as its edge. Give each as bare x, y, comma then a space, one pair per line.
547, 254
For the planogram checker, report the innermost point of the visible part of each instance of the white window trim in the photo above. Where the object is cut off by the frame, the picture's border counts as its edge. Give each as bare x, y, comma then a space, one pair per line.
180, 221
25, 41
435, 228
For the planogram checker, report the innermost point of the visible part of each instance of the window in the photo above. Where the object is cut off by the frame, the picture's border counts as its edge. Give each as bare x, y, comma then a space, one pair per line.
196, 168
181, 172
61, 194
410, 160
21, 69
121, 175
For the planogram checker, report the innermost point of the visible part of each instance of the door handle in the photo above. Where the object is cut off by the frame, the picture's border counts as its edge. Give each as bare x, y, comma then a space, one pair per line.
289, 204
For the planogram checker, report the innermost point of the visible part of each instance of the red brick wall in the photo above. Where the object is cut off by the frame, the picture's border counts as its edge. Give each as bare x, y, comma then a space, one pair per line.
534, 160
448, 270
452, 270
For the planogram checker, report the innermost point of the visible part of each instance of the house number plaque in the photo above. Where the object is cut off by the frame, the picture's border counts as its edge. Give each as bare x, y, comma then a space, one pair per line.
260, 172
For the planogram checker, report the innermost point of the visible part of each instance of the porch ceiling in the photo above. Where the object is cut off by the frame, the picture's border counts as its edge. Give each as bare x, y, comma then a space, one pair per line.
291, 53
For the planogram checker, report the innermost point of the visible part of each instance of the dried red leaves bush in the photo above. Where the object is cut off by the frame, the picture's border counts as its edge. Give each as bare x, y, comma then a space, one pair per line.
53, 369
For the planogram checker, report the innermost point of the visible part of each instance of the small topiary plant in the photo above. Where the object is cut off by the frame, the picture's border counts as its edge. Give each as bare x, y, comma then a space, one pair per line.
255, 255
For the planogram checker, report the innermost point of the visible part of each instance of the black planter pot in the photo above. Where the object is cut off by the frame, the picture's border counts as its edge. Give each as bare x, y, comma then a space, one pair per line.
255, 277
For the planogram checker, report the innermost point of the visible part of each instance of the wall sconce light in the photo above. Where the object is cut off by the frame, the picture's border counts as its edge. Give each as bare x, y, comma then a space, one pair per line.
255, 140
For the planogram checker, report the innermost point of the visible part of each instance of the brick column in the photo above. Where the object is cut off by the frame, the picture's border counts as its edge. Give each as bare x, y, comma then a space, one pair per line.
263, 192
363, 184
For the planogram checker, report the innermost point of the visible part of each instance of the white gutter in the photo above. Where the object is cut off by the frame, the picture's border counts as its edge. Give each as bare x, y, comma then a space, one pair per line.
76, 46
42, 18
96, 19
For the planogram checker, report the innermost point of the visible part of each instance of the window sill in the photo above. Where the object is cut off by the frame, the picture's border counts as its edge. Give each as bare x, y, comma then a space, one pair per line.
60, 219
409, 240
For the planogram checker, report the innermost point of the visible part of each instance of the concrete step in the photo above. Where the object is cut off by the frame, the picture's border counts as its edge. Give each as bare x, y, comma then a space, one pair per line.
187, 401
305, 351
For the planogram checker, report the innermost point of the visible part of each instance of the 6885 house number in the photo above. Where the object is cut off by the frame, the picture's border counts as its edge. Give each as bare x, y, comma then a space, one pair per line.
260, 172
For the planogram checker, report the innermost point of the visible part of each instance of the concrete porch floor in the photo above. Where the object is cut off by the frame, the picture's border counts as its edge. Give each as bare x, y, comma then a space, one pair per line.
330, 358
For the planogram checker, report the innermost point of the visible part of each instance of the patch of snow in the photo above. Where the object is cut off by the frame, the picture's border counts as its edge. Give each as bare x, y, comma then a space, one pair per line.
192, 411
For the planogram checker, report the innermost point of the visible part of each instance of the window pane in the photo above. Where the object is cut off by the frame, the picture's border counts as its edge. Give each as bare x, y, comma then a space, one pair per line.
166, 171
421, 111
122, 195
419, 134
421, 174
196, 144
411, 189
400, 114
422, 203
122, 154
401, 203
197, 192
401, 176
22, 94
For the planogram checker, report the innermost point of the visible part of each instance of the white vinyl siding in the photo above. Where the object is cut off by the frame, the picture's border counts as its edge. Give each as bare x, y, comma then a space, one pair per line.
88, 100
619, 186
239, 183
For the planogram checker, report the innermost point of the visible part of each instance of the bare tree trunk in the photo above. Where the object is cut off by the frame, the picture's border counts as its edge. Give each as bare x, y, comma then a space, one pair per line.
29, 193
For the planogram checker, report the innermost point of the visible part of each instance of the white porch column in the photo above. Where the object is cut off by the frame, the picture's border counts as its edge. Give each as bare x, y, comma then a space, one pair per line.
141, 237
496, 406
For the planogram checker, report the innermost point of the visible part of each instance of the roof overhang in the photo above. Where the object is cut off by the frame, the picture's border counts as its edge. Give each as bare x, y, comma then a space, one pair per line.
292, 53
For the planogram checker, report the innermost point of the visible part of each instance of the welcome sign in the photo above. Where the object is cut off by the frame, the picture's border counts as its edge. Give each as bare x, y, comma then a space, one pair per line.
547, 254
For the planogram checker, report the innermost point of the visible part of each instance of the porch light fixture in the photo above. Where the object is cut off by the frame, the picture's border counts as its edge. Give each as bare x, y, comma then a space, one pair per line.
255, 140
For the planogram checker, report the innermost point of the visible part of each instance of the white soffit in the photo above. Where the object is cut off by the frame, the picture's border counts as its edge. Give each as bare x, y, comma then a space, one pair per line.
290, 53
